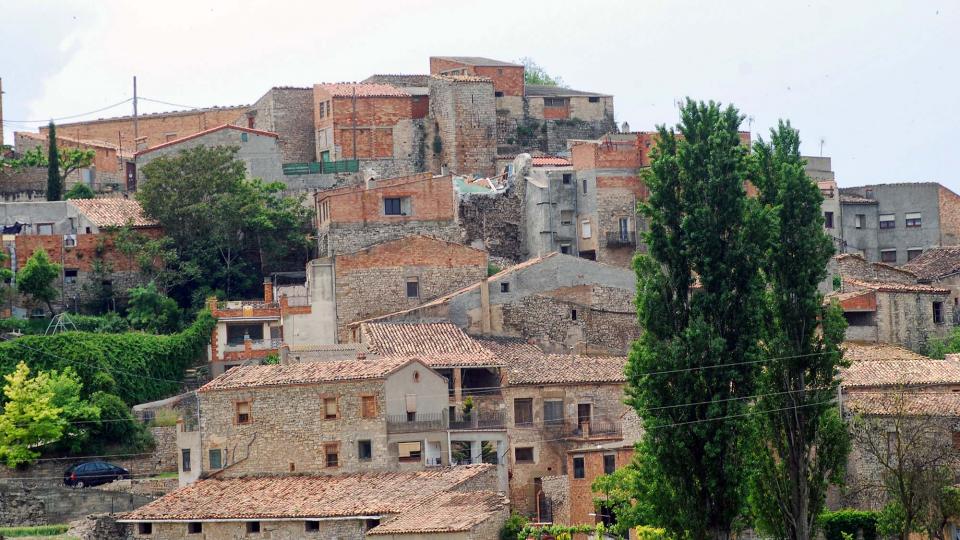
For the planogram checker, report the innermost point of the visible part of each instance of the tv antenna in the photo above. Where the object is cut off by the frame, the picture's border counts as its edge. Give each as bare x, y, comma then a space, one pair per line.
822, 142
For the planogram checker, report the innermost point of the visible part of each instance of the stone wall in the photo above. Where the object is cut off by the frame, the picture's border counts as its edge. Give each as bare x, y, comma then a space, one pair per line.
559, 131
98, 527
288, 112
343, 529
29, 184
31, 504
348, 238
464, 112
856, 267
557, 491
495, 222
906, 319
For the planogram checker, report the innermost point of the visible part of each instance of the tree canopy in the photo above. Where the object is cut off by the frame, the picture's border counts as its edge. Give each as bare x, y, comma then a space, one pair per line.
534, 74
36, 278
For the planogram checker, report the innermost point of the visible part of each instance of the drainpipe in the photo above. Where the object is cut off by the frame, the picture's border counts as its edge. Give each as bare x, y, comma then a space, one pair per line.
485, 326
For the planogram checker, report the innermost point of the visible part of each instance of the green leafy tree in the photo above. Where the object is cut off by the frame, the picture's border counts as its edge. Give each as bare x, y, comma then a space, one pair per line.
54, 181
150, 310
800, 443
69, 159
37, 277
534, 74
79, 191
695, 365
229, 229
78, 414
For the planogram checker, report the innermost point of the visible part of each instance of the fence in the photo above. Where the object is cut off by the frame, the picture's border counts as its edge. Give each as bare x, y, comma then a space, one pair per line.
401, 423
321, 167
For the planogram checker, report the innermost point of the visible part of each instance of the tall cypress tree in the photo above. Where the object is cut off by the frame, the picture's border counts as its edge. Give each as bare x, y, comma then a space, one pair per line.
800, 444
693, 369
54, 182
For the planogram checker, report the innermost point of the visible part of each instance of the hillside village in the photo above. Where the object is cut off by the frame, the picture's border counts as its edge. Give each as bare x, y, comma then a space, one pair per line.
451, 347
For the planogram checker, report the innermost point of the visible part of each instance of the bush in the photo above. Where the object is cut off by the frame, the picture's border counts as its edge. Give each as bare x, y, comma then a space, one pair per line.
80, 191
650, 533
164, 418
834, 524
512, 527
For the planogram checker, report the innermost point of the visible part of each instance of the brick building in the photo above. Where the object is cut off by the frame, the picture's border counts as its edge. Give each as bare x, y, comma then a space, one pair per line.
380, 125
459, 503
563, 303
79, 235
106, 172
584, 466
355, 217
247, 331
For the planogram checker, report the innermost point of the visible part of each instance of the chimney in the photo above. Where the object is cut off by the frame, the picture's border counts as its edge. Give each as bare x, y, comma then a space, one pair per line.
361, 355
267, 290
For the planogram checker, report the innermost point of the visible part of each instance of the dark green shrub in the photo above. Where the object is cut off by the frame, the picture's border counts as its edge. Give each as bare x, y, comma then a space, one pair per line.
834, 524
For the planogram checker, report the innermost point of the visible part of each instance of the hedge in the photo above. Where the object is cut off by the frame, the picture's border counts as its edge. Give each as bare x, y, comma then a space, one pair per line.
136, 366
85, 323
849, 521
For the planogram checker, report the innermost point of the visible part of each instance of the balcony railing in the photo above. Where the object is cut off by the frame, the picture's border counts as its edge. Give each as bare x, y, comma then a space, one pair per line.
479, 420
241, 304
596, 427
255, 344
321, 167
621, 239
401, 423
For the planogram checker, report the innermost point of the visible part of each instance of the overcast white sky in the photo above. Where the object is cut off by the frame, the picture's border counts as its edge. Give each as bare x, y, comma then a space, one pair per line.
877, 80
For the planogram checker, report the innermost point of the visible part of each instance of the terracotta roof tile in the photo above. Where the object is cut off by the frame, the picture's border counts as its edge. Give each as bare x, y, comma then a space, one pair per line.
889, 286
438, 344
527, 364
866, 352
397, 79
936, 263
906, 403
363, 90
294, 496
551, 161
304, 373
113, 212
449, 512
901, 373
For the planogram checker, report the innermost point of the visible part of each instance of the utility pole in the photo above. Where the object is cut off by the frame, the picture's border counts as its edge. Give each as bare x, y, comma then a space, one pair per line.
136, 131
1, 115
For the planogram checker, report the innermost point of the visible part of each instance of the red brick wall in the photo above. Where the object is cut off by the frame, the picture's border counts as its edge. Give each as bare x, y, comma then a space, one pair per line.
581, 495
633, 183
433, 200
82, 255
154, 127
375, 118
557, 113
506, 79
866, 302
612, 155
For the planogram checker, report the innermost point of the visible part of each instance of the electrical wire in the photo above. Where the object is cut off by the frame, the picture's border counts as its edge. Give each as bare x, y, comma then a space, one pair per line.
128, 100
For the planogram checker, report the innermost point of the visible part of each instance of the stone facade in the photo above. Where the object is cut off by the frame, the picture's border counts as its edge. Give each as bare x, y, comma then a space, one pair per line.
105, 173
374, 281
463, 110
25, 185
906, 315
494, 221
341, 529
288, 112
24, 504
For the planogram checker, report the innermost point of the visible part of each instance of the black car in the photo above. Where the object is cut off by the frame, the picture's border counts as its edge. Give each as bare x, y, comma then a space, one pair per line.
94, 473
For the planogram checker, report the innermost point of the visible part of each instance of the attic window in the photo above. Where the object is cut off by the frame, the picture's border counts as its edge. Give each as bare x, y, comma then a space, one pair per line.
593, 99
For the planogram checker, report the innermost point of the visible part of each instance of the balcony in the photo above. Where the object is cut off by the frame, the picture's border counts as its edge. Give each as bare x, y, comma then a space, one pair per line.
595, 428
618, 239
479, 420
253, 345
401, 423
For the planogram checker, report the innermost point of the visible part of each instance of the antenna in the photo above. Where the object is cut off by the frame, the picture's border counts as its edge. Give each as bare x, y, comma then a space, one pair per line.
822, 142
750, 123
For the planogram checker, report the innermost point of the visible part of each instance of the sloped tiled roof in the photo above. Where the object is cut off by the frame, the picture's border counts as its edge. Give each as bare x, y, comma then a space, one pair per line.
890, 286
449, 512
901, 373
903, 403
438, 344
113, 212
527, 364
304, 373
363, 90
550, 161
538, 90
199, 134
403, 81
936, 263
872, 352
478, 61
305, 497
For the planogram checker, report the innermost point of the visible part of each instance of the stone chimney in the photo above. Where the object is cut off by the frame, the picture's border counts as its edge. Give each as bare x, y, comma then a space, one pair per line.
267, 290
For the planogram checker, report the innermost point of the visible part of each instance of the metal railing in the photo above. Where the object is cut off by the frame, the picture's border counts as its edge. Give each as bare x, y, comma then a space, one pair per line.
321, 167
596, 427
621, 238
479, 420
401, 423
240, 304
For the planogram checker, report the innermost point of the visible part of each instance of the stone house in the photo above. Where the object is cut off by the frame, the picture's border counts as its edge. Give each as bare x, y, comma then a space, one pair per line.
939, 267
561, 302
288, 112
459, 503
79, 235
107, 171
554, 403
352, 218
380, 125
319, 418
819, 169
895, 223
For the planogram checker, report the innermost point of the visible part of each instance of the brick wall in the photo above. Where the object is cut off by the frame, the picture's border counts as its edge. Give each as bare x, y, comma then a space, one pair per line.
373, 282
581, 495
432, 199
373, 119
506, 79
157, 128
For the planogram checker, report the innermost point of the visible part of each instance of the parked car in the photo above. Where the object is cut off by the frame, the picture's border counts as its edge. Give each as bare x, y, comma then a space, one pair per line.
94, 473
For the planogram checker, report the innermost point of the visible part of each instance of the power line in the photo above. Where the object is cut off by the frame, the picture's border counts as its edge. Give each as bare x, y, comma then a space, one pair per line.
168, 103
5, 120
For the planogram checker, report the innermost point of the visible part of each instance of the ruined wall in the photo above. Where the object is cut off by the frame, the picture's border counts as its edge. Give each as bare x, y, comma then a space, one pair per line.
32, 504
464, 112
29, 184
495, 221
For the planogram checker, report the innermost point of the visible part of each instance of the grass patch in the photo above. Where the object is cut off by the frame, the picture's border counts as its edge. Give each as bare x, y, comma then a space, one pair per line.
167, 475
39, 530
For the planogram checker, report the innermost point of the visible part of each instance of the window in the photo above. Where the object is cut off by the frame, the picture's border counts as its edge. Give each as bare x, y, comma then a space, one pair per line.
330, 408
244, 137
585, 229
522, 411
859, 220
553, 411
368, 406
828, 220
323, 109
584, 183
194, 527
364, 450
413, 287
566, 217
624, 229
913, 253
573, 314
253, 527
565, 249
913, 220
554, 102
410, 452
888, 255
938, 312
578, 468
216, 458
567, 178
145, 528
498, 94
391, 206
888, 221
243, 412
185, 459
505, 287
594, 99
70, 275
523, 454
311, 526
609, 463
331, 455
44, 228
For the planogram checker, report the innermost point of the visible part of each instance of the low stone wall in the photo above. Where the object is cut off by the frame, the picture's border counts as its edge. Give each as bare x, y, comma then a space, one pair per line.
24, 504
98, 527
